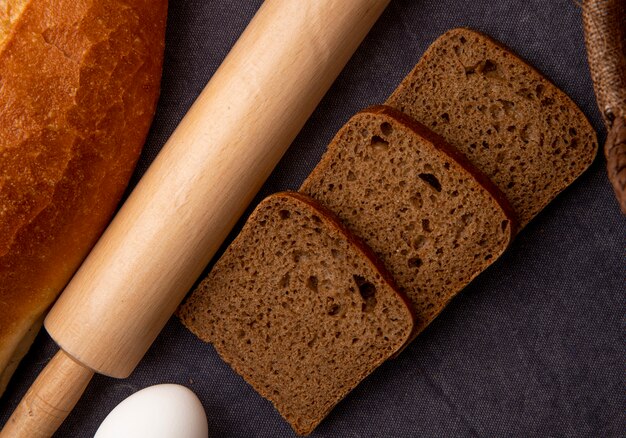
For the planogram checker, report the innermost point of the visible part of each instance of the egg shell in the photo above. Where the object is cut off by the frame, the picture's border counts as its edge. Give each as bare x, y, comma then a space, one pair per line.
160, 411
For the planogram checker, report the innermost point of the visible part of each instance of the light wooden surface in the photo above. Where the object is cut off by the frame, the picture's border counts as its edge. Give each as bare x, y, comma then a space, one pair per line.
49, 400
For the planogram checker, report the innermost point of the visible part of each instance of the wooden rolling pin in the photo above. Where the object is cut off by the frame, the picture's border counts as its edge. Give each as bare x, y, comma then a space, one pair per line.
190, 198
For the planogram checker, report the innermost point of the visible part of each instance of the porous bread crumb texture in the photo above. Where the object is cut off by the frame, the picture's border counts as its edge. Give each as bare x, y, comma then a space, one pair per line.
433, 225
514, 125
298, 310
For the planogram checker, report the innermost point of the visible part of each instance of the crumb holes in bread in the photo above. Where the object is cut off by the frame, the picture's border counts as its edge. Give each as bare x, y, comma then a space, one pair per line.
525, 93
311, 283
419, 242
539, 90
386, 128
367, 291
416, 201
378, 144
299, 256
284, 281
524, 134
333, 310
284, 214
504, 225
467, 218
489, 69
470, 70
431, 180
496, 112
426, 225
414, 262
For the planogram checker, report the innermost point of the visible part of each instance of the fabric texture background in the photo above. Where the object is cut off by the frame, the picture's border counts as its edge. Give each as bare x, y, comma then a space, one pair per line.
533, 347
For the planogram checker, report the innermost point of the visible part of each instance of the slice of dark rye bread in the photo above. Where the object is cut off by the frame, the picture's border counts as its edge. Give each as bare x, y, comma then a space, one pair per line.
513, 124
299, 308
433, 220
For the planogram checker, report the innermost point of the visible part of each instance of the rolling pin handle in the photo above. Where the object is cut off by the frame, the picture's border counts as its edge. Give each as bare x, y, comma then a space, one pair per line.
49, 400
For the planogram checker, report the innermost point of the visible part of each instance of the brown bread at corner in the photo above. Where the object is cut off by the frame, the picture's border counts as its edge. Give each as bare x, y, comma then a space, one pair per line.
513, 124
299, 308
79, 83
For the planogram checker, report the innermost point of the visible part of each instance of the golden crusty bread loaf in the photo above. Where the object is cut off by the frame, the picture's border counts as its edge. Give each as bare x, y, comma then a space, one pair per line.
79, 82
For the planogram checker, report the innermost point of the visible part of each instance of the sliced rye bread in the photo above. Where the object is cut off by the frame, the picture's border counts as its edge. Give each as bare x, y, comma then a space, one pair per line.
513, 124
433, 220
299, 308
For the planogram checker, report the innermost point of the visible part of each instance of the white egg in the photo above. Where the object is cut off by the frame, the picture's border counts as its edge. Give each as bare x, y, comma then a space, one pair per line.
160, 411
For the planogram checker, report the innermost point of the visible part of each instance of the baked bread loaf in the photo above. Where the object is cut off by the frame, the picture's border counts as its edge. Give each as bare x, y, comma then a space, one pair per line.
513, 124
430, 217
78, 88
299, 308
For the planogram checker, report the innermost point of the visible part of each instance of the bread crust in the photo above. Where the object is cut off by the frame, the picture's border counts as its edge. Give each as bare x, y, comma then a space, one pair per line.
79, 85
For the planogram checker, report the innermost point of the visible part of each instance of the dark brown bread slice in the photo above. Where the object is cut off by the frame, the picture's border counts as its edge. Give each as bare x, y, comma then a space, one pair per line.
511, 122
434, 221
299, 308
